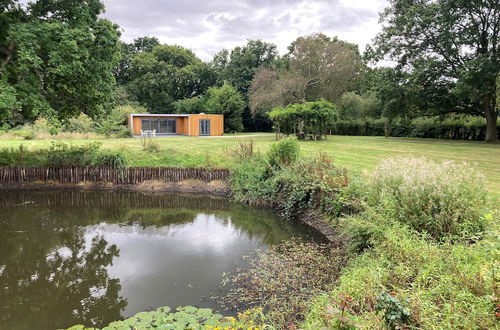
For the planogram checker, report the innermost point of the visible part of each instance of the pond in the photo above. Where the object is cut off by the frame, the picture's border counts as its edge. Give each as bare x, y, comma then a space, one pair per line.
92, 257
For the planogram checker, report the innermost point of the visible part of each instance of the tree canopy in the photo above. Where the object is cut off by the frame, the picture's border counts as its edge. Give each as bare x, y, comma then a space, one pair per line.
57, 60
448, 53
167, 74
226, 100
319, 68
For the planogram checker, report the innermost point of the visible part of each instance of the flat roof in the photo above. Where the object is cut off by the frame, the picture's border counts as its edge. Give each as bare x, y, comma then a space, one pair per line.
159, 115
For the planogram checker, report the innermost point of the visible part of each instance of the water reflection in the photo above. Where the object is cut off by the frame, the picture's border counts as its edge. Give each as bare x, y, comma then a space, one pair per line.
93, 257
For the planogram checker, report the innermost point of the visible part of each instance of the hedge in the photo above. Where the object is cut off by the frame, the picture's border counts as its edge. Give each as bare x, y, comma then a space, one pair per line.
378, 127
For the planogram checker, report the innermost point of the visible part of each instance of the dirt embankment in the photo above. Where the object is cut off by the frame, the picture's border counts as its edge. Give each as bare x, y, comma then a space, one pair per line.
216, 187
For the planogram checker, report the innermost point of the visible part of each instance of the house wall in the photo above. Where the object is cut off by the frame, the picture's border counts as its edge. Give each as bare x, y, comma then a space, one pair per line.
216, 124
185, 125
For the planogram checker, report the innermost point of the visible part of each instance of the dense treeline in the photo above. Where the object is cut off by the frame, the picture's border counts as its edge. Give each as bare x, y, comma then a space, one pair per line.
60, 59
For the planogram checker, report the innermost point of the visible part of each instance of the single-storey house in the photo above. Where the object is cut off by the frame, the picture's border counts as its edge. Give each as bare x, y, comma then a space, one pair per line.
176, 124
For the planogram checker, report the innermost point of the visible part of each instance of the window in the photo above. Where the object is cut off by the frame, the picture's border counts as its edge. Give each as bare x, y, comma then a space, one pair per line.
146, 125
204, 127
162, 126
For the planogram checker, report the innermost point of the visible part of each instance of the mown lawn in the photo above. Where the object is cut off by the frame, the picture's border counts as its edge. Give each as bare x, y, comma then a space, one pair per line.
357, 153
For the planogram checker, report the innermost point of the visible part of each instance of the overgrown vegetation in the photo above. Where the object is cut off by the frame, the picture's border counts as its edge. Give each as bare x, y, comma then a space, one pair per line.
426, 250
283, 279
421, 241
293, 185
62, 154
445, 200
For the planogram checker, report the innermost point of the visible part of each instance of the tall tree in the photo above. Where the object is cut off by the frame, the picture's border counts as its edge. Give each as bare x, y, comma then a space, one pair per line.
128, 52
319, 68
451, 50
226, 100
165, 75
61, 60
238, 67
329, 67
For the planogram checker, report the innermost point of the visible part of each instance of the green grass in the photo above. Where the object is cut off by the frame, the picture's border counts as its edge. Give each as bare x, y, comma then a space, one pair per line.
357, 153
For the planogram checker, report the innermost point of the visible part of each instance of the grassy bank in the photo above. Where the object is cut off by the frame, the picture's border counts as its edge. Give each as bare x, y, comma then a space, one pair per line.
414, 243
354, 152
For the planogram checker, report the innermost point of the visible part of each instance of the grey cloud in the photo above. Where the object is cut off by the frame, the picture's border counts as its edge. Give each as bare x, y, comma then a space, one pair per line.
223, 22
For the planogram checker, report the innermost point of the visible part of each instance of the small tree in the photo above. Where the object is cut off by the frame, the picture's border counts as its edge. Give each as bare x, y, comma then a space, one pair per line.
310, 119
226, 100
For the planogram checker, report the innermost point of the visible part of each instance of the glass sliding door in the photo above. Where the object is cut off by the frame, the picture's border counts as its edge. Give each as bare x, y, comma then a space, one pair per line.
167, 126
146, 125
161, 126
204, 127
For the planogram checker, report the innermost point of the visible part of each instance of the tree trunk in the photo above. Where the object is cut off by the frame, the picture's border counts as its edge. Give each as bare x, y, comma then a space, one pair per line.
491, 119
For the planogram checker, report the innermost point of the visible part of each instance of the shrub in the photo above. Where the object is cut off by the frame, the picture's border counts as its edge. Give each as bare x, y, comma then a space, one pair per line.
62, 154
113, 123
11, 157
283, 280
396, 312
111, 158
467, 128
283, 153
80, 124
308, 185
241, 151
445, 200
25, 134
249, 181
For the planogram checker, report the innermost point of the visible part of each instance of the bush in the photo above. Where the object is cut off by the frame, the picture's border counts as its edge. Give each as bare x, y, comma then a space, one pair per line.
445, 200
90, 154
113, 123
25, 134
62, 154
307, 185
249, 182
283, 153
110, 158
11, 157
80, 124
150, 145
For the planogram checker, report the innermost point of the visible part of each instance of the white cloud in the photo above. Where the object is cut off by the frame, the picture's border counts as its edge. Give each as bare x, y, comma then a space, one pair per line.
209, 26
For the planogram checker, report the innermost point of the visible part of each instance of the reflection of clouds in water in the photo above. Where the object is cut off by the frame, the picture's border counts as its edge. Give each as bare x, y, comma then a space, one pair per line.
64, 252
206, 231
176, 264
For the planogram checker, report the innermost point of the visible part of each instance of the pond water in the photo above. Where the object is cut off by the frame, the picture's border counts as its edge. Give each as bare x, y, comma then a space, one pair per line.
92, 257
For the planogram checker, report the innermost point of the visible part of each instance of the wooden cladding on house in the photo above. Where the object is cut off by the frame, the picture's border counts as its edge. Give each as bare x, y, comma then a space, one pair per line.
128, 175
191, 125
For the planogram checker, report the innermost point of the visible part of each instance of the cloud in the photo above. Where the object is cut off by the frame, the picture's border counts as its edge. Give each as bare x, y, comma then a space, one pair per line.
207, 26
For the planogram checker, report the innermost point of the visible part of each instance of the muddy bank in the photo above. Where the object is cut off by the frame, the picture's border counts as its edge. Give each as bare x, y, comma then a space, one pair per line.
215, 187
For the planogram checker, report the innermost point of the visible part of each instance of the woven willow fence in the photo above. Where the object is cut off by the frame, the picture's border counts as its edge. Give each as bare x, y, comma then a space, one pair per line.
128, 175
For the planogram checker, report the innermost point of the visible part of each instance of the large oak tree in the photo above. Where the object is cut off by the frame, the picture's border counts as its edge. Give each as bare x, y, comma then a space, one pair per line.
57, 59
450, 51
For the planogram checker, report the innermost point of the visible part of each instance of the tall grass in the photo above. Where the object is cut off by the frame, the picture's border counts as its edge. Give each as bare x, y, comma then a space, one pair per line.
444, 199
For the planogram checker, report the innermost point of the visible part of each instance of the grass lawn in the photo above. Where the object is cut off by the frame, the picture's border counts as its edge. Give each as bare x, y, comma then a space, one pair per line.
357, 153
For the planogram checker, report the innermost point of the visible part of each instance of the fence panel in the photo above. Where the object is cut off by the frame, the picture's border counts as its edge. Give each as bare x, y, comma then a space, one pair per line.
128, 175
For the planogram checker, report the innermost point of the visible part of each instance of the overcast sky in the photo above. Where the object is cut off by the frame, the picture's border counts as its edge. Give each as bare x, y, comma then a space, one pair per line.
207, 26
